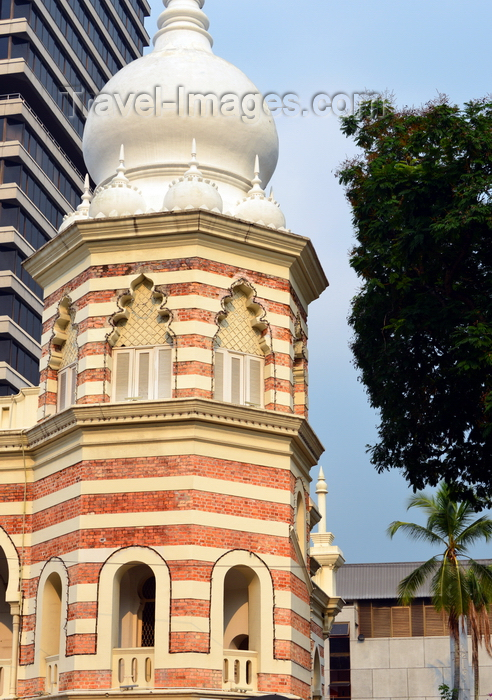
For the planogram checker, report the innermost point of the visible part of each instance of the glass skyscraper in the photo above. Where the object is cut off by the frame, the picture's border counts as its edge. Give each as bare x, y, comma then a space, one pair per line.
55, 55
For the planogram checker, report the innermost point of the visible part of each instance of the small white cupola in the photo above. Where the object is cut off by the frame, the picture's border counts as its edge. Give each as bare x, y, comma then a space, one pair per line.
119, 197
257, 207
193, 191
82, 211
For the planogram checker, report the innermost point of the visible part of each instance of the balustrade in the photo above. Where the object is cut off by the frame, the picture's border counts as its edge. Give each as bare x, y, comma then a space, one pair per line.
52, 674
133, 668
240, 670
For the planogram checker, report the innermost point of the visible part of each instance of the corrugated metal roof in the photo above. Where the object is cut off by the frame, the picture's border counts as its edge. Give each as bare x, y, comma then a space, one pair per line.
371, 581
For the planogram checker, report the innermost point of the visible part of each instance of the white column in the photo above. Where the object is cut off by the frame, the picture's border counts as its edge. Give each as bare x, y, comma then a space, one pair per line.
321, 492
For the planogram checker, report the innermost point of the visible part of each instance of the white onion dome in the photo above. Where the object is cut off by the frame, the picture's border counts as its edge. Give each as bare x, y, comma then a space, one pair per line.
257, 208
146, 106
192, 191
82, 211
119, 198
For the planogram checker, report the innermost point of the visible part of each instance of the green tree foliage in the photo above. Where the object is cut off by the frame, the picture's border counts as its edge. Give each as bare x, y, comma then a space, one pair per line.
421, 194
460, 586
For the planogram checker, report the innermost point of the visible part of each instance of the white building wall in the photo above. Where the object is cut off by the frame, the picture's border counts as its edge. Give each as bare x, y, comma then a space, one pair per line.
412, 668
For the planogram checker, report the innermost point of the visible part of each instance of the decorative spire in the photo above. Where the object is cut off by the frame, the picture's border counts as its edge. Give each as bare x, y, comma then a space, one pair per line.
85, 204
121, 170
256, 190
193, 170
321, 491
183, 25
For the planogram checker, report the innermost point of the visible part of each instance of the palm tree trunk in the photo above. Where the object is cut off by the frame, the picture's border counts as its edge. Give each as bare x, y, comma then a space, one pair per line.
456, 665
475, 666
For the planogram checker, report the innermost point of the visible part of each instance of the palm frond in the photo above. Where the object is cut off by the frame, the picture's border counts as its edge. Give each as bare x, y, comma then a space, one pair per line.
415, 532
409, 586
479, 529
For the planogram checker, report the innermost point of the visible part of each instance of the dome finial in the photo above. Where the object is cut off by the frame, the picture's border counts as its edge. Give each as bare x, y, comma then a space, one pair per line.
193, 169
121, 169
256, 190
85, 204
183, 25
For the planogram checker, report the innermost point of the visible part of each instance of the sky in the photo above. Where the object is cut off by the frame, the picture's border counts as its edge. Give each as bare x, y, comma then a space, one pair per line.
414, 49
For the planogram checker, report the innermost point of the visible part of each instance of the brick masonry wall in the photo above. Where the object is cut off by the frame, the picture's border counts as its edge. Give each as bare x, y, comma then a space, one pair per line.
280, 389
194, 327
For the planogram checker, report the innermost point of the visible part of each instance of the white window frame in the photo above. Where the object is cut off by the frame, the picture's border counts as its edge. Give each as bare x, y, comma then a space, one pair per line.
238, 385
67, 387
142, 370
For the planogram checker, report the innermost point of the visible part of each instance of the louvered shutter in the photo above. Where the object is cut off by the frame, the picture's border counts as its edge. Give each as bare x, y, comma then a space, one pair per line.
73, 385
143, 380
255, 381
122, 376
417, 619
62, 390
435, 625
219, 376
400, 621
164, 373
236, 379
381, 621
365, 618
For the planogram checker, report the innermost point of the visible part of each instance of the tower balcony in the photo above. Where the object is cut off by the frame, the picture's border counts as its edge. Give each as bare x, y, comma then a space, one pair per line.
133, 668
240, 670
52, 674
5, 666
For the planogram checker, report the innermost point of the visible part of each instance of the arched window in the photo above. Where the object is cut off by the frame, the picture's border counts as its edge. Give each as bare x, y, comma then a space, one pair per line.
142, 354
242, 627
5, 625
51, 630
241, 609
242, 620
136, 618
240, 349
133, 630
301, 529
317, 686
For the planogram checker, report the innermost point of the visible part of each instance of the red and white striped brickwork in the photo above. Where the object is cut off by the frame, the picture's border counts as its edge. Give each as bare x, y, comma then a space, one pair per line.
195, 288
189, 487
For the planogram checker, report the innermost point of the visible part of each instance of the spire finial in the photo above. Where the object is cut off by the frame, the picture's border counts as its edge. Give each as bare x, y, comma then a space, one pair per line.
121, 169
321, 491
193, 163
183, 24
256, 190
86, 197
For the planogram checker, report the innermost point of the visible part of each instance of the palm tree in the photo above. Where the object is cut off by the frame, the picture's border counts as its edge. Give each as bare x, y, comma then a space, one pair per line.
451, 526
478, 624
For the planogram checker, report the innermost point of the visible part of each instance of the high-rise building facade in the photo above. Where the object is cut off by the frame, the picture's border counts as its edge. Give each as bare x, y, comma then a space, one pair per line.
55, 55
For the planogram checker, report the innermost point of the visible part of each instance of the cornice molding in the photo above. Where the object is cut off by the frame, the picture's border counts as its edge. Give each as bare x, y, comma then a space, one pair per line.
165, 412
166, 229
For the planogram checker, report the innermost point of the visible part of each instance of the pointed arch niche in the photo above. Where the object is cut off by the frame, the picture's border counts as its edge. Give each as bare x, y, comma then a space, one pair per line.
240, 346
242, 621
64, 354
142, 342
